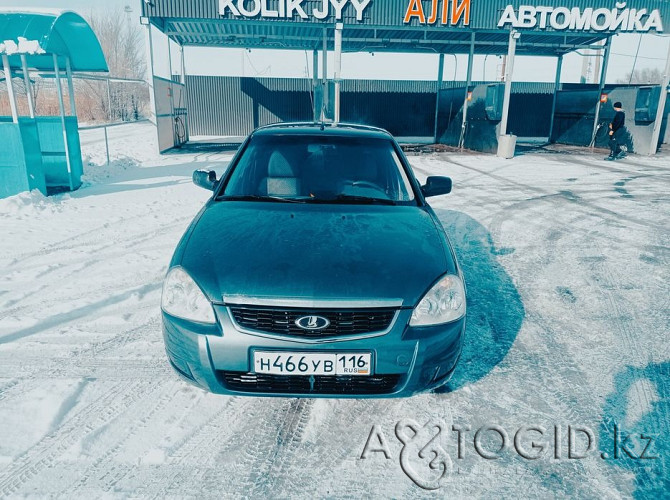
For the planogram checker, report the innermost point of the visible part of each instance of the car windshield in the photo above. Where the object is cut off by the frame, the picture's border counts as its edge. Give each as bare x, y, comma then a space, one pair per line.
319, 169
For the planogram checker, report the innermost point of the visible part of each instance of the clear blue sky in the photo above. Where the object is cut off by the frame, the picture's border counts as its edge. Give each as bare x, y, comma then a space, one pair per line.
653, 50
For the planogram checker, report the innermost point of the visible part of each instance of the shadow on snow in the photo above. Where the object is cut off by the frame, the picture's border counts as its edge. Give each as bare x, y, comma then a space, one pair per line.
640, 437
495, 310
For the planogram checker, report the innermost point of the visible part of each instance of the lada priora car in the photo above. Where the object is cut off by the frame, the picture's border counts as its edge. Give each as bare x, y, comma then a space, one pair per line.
317, 269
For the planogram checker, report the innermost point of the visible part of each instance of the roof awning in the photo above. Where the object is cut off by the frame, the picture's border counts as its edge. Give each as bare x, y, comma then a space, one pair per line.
38, 34
546, 28
308, 36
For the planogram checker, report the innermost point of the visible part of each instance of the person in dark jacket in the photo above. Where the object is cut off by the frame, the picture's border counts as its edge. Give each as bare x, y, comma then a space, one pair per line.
616, 129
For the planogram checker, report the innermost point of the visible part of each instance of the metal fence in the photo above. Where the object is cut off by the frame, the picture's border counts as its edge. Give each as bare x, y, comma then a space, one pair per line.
100, 101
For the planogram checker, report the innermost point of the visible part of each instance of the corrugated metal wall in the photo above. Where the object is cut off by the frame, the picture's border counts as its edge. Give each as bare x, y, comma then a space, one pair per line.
233, 106
530, 115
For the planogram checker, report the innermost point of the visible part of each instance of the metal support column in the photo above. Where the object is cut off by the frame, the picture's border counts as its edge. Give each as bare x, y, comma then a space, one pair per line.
440, 76
183, 66
109, 101
175, 135
61, 106
601, 87
557, 84
29, 87
70, 87
509, 71
315, 84
338, 68
183, 74
325, 73
464, 124
150, 79
10, 88
660, 112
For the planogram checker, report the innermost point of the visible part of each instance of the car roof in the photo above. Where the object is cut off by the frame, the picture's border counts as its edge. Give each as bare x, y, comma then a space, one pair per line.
326, 129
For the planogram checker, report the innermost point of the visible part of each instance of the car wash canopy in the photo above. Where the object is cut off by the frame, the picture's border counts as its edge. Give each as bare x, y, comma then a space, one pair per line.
441, 26
512, 27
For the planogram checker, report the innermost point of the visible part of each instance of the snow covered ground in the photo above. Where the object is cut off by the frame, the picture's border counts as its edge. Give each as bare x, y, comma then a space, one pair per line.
567, 265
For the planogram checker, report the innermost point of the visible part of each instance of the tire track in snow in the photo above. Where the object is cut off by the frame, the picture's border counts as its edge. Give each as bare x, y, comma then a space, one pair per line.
279, 463
75, 314
46, 452
152, 325
610, 168
101, 259
580, 204
198, 447
630, 335
534, 212
254, 430
107, 368
106, 466
577, 403
9, 387
48, 299
269, 467
103, 242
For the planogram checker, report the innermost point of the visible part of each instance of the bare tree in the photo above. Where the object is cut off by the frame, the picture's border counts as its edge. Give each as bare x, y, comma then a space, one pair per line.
646, 76
122, 42
123, 45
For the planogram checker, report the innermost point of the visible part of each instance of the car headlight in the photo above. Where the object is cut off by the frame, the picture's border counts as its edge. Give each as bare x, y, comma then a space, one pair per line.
443, 303
183, 298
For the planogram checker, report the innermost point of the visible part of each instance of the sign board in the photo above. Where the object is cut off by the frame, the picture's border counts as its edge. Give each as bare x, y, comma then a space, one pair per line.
619, 18
564, 15
293, 9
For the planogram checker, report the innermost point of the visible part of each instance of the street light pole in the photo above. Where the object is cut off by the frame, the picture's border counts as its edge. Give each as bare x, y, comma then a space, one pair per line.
655, 135
338, 68
509, 71
601, 88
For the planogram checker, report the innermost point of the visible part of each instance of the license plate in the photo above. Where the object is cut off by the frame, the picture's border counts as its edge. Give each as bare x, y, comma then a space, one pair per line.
299, 363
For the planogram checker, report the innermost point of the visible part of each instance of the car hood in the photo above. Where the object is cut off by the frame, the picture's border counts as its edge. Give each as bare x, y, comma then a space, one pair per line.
348, 252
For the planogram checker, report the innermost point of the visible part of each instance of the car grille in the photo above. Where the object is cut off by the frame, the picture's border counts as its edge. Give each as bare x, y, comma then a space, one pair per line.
342, 322
284, 384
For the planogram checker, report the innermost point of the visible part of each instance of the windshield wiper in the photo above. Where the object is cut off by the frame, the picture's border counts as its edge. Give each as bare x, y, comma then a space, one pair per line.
347, 198
254, 197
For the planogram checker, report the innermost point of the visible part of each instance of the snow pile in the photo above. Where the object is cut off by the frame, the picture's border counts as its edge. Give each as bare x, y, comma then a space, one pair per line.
24, 205
95, 173
24, 46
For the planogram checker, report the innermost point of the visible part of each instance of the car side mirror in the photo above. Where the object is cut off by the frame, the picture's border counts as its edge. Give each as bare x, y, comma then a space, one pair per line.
205, 179
436, 186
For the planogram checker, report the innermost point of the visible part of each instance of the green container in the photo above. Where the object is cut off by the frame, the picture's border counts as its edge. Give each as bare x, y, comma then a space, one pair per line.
53, 152
21, 166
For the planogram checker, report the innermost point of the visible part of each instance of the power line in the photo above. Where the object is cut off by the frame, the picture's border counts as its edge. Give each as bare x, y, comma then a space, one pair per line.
258, 73
637, 52
311, 91
639, 57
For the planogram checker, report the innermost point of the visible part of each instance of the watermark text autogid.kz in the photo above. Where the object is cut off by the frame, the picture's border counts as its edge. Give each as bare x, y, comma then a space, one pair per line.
428, 452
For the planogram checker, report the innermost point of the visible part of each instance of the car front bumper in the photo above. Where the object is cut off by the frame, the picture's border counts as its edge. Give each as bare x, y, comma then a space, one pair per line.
405, 360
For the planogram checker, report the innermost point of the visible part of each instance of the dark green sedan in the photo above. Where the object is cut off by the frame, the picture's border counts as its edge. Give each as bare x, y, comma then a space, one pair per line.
317, 269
